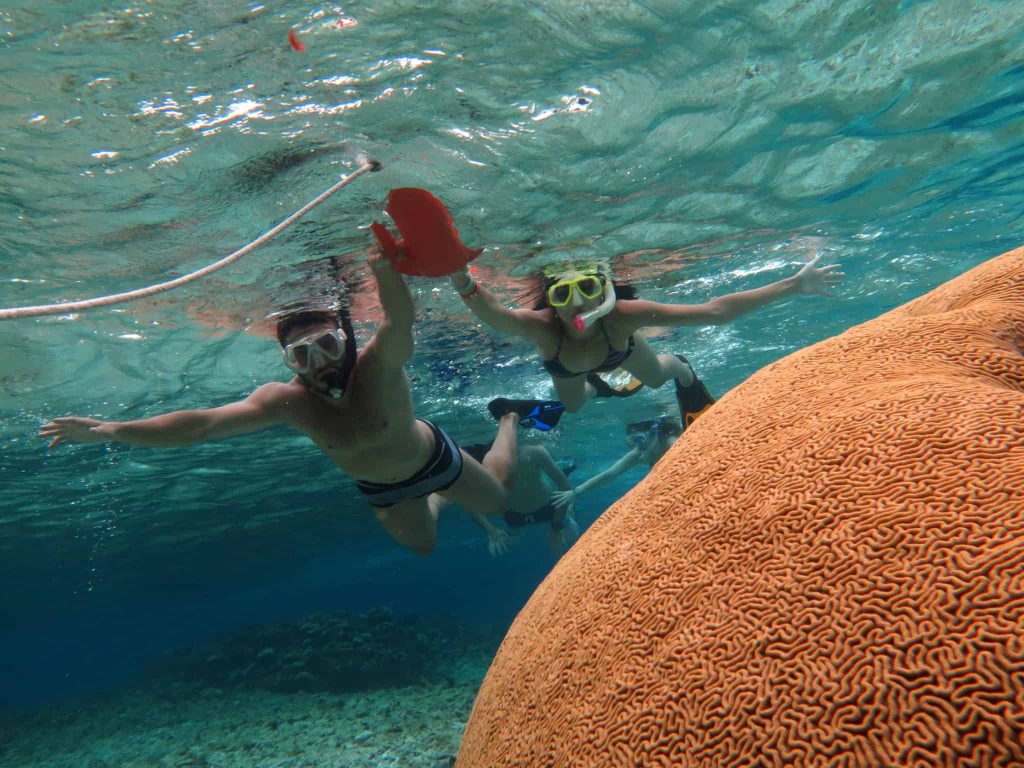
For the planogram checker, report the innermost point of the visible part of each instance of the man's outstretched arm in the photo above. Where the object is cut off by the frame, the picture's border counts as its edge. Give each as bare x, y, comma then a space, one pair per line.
170, 430
393, 340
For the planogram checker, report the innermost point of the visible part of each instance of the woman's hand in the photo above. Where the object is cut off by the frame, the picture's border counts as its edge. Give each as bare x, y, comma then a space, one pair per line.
814, 279
463, 282
564, 501
72, 429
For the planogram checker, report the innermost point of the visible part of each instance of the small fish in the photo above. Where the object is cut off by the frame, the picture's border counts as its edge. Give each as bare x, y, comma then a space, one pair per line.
294, 42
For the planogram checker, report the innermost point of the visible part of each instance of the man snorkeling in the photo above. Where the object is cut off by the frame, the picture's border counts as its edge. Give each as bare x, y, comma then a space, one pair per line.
529, 500
356, 407
586, 324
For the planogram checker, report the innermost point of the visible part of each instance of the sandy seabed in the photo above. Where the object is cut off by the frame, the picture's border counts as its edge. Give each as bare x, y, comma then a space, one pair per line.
176, 727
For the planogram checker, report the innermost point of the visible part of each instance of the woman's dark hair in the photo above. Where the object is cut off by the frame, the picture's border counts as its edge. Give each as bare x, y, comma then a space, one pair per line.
669, 425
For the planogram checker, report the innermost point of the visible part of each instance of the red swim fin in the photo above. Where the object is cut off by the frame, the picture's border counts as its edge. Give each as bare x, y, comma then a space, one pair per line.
429, 238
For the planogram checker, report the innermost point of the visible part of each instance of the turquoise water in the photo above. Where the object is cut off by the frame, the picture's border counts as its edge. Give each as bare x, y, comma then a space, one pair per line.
701, 146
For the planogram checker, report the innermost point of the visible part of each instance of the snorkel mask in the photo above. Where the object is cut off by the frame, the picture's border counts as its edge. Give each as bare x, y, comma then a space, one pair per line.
641, 434
315, 350
590, 284
324, 358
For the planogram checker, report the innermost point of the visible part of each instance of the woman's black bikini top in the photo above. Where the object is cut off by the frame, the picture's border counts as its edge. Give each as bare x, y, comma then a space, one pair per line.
612, 360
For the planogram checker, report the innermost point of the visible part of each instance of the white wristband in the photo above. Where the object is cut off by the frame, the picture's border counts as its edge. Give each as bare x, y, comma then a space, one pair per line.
470, 288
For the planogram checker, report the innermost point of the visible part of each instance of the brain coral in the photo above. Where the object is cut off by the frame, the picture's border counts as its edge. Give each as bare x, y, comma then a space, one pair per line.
828, 570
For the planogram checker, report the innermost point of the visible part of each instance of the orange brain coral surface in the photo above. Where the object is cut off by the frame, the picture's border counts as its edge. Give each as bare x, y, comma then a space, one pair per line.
827, 570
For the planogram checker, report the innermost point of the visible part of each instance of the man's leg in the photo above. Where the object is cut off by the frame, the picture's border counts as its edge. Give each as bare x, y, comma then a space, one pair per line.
501, 460
483, 487
412, 523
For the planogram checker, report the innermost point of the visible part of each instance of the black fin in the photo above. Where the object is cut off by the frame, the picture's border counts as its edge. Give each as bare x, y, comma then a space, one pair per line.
694, 399
539, 414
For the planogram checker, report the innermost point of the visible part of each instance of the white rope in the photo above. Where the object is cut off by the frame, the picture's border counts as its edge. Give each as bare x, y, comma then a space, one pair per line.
117, 298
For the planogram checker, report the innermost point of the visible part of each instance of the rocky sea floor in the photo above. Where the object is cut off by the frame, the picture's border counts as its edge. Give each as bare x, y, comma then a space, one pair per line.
418, 726
183, 722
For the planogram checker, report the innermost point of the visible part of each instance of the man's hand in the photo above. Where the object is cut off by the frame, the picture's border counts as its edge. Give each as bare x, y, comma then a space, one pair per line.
380, 263
560, 539
814, 279
497, 541
72, 429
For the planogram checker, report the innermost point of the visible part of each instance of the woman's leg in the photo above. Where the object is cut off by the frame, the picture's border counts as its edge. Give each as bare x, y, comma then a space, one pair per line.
654, 370
573, 392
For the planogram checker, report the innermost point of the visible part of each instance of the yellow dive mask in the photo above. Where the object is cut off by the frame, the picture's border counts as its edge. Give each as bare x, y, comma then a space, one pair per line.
587, 286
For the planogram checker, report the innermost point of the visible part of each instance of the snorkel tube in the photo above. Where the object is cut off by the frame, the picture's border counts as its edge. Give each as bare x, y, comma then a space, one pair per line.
587, 319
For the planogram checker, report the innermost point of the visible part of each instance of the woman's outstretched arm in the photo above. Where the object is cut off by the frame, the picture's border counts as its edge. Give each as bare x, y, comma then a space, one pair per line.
811, 279
568, 498
526, 323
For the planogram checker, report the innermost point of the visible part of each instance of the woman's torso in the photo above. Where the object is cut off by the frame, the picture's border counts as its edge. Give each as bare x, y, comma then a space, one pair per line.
605, 346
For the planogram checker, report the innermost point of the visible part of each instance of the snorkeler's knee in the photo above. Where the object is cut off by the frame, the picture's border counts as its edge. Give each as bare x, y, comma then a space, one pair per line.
653, 379
574, 406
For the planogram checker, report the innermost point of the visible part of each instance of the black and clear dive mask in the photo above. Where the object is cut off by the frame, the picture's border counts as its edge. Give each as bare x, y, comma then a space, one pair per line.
641, 434
315, 350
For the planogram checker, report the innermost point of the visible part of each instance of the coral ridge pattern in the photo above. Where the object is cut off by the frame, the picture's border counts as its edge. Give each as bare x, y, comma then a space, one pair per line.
827, 570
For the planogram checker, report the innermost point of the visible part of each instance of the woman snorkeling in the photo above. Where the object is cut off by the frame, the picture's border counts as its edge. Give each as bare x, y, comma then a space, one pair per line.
587, 325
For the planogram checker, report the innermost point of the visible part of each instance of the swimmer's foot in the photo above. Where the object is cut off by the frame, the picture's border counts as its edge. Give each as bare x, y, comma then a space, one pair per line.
693, 399
603, 389
538, 414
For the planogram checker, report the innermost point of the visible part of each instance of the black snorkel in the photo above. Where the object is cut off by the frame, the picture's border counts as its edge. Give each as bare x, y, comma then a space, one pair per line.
334, 383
